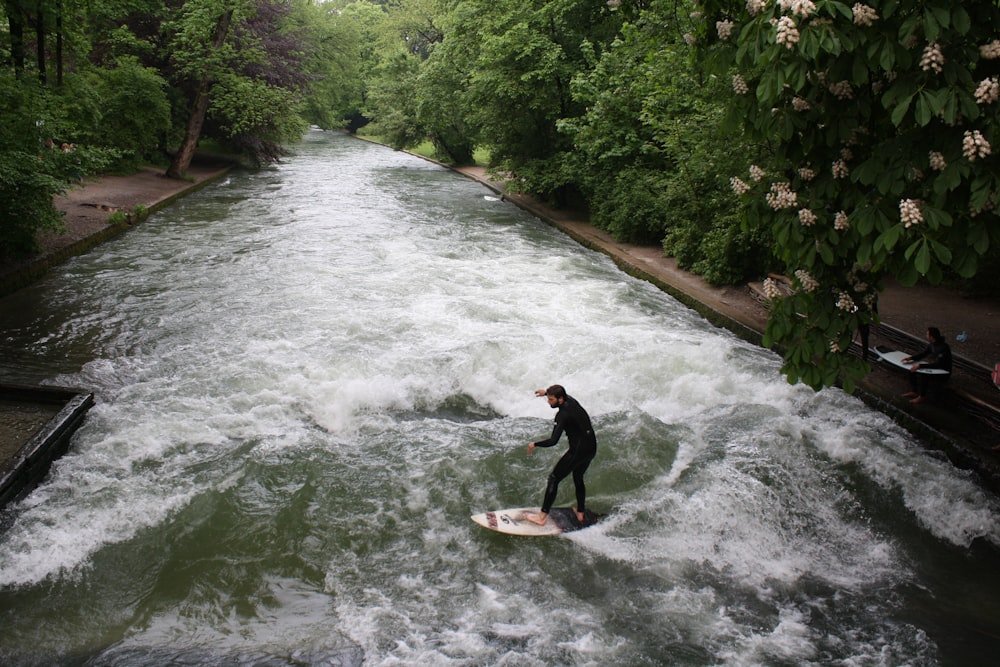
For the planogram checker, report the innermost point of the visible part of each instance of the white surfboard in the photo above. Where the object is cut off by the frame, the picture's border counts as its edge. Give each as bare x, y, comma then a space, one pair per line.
895, 357
512, 522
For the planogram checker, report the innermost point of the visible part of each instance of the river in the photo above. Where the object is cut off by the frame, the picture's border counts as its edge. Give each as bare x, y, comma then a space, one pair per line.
308, 377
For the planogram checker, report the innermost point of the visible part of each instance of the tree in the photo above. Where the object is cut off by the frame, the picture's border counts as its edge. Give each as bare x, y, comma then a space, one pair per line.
878, 122
200, 43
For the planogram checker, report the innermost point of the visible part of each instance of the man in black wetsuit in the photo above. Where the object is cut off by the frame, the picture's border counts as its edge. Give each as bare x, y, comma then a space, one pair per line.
937, 354
575, 421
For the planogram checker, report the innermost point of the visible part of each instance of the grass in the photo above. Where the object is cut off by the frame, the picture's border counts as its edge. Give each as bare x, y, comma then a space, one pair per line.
480, 157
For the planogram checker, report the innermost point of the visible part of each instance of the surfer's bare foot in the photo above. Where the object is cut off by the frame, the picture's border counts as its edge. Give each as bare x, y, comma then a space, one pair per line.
580, 516
536, 517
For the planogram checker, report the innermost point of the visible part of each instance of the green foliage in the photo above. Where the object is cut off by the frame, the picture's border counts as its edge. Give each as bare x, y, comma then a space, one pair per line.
651, 155
135, 113
881, 164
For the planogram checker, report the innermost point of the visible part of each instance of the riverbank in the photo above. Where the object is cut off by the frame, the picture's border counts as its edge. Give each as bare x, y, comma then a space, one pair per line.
951, 425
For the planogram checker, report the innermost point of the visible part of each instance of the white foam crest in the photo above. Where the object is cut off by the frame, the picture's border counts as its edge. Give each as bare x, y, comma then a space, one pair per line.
944, 500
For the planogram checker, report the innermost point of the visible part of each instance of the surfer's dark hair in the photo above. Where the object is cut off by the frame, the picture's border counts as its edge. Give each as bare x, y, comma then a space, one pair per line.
556, 390
935, 333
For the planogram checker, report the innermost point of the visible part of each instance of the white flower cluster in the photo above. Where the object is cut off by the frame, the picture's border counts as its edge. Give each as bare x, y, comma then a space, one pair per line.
845, 302
933, 59
808, 283
724, 28
740, 86
807, 174
755, 7
807, 217
835, 347
614, 4
800, 104
781, 196
689, 39
846, 154
909, 212
739, 187
974, 145
840, 169
863, 14
937, 160
840, 222
988, 91
842, 90
756, 173
787, 34
801, 8
771, 289
989, 51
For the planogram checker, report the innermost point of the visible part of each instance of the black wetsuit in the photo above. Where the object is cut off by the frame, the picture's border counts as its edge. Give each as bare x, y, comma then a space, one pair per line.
939, 354
575, 421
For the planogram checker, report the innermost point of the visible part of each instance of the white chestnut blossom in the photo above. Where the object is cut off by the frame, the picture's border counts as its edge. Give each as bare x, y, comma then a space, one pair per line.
803, 8
835, 347
724, 28
845, 302
739, 187
756, 173
800, 104
990, 51
807, 217
808, 283
840, 169
755, 7
909, 212
740, 86
937, 160
807, 174
787, 34
781, 196
840, 222
988, 90
771, 289
863, 14
974, 145
932, 59
842, 90
689, 39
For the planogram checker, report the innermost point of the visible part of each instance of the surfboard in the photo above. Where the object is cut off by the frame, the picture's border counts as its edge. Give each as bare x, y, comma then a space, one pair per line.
895, 357
512, 522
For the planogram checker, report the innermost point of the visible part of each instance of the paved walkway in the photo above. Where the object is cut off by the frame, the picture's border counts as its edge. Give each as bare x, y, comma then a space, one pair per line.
952, 424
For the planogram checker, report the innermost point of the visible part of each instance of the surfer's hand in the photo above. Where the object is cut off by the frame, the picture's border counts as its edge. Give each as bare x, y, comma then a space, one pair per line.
539, 392
531, 448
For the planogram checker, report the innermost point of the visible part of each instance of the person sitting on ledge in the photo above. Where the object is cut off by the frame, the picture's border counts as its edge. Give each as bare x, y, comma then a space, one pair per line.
937, 355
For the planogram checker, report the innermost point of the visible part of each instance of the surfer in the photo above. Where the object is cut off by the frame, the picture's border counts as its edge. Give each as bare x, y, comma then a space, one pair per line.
575, 421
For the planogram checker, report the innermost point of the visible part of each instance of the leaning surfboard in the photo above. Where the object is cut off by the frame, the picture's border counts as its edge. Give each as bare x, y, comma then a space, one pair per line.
512, 522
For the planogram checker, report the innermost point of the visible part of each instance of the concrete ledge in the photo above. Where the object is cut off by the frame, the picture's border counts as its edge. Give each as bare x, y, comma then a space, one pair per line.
22, 472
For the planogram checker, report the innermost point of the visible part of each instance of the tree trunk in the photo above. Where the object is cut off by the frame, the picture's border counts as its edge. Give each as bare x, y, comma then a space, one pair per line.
40, 44
59, 45
199, 107
15, 21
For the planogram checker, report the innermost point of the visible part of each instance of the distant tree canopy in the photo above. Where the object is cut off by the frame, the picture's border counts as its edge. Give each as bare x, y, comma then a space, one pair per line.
841, 144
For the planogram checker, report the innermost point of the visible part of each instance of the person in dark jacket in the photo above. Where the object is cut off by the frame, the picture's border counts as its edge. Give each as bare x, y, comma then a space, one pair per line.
937, 354
575, 422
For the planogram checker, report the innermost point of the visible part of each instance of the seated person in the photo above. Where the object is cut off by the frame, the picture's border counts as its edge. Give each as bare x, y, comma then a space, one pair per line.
937, 355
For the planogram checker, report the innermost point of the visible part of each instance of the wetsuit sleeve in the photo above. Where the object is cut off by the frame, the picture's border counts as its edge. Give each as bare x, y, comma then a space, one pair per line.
557, 431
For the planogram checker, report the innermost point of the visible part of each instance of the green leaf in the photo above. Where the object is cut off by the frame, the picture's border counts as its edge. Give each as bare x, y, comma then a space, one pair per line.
960, 19
900, 111
923, 258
